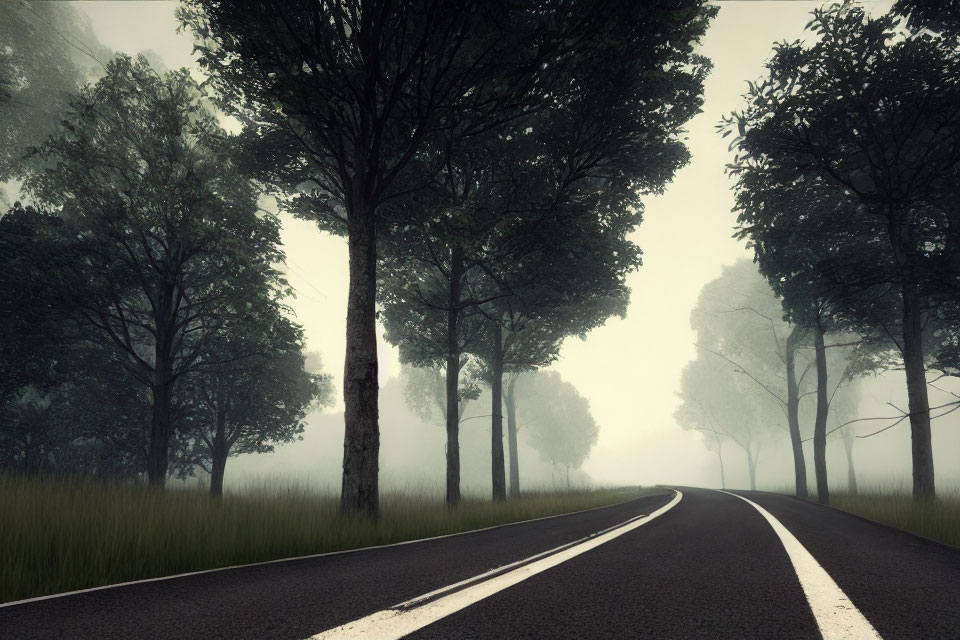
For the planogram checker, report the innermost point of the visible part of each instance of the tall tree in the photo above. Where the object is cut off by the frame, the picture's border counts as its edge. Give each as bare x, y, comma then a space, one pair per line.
354, 89
402, 76
167, 228
873, 111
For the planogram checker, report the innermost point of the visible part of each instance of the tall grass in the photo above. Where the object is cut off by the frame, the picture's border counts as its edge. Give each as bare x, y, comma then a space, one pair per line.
895, 506
59, 535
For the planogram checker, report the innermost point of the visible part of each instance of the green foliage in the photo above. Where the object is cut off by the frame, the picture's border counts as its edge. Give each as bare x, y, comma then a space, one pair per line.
938, 15
251, 389
155, 264
846, 165
47, 51
424, 390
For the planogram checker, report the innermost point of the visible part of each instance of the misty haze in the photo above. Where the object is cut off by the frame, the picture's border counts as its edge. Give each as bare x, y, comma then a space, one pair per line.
448, 319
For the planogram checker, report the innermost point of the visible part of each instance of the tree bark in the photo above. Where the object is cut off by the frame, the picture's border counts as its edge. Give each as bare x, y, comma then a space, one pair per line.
498, 478
220, 449
219, 466
918, 402
359, 493
919, 405
453, 379
851, 471
793, 414
162, 390
158, 452
820, 425
511, 398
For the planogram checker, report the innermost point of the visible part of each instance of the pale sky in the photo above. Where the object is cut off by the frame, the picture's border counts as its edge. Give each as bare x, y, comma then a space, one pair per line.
629, 369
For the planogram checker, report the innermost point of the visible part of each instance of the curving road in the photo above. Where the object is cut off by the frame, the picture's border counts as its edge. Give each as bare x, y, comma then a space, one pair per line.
701, 564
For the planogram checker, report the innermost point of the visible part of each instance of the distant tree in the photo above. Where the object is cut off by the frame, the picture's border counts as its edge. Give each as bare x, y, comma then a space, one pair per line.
739, 324
425, 393
874, 111
164, 226
843, 409
560, 425
254, 393
719, 400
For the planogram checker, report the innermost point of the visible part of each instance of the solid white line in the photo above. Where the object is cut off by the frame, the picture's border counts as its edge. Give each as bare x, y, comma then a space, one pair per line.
836, 615
64, 594
407, 617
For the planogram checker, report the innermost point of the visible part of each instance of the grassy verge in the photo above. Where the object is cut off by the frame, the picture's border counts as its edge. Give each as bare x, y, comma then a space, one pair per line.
58, 536
938, 520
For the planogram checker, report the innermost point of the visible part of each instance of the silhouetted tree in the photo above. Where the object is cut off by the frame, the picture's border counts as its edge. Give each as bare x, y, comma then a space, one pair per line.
254, 393
164, 226
346, 93
874, 112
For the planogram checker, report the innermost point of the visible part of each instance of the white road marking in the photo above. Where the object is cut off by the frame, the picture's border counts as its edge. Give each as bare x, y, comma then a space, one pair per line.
836, 615
409, 616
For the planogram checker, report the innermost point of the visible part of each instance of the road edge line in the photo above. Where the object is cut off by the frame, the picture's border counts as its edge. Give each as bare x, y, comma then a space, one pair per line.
836, 616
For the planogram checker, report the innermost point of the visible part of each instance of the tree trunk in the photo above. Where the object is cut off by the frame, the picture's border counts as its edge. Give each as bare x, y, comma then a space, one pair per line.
752, 466
918, 403
359, 493
851, 472
220, 449
162, 386
820, 425
453, 379
793, 414
219, 466
158, 453
512, 437
723, 479
496, 426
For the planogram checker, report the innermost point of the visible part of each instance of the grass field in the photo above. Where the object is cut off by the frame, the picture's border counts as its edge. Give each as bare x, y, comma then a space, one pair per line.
938, 520
58, 536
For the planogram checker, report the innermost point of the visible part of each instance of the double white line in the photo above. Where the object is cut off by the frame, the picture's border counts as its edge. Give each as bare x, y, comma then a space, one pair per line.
407, 617
836, 616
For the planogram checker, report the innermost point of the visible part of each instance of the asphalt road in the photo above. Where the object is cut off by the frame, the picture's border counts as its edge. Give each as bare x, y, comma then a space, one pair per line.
710, 567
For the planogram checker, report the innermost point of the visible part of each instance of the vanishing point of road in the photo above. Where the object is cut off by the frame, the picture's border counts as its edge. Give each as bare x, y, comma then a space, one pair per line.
691, 563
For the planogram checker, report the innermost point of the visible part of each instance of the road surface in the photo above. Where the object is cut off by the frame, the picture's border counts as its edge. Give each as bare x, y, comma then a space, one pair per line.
696, 564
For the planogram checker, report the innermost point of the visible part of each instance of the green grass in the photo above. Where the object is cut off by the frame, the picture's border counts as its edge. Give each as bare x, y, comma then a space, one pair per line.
938, 520
58, 535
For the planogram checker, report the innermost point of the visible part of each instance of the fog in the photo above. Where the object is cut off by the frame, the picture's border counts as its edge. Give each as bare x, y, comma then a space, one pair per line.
629, 370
